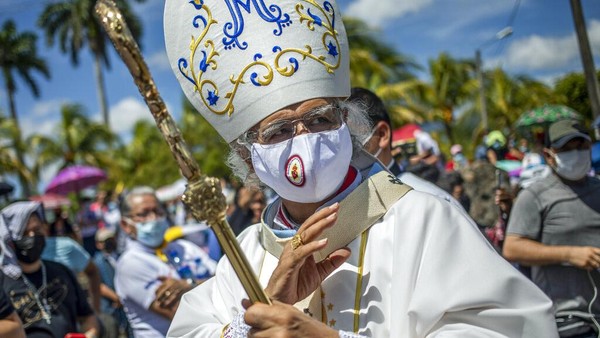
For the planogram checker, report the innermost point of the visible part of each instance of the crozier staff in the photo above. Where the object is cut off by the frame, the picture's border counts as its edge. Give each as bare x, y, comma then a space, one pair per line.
347, 250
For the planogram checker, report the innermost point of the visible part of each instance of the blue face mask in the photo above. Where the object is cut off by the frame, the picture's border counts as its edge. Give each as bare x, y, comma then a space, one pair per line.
152, 233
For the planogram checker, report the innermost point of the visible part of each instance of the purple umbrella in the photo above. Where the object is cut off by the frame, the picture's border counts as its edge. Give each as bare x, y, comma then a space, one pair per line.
74, 179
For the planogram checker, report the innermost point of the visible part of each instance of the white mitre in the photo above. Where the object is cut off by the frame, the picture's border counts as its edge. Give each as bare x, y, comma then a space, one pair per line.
238, 61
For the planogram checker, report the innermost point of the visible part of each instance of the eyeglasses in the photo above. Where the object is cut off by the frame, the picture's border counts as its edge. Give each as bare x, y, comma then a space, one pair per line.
323, 118
145, 214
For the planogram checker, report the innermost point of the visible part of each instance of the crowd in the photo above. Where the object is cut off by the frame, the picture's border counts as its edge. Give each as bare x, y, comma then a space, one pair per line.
350, 233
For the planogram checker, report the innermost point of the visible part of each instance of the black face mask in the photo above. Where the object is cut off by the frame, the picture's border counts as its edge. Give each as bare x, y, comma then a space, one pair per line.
29, 249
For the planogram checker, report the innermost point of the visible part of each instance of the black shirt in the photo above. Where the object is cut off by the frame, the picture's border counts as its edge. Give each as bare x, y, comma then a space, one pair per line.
6, 307
64, 296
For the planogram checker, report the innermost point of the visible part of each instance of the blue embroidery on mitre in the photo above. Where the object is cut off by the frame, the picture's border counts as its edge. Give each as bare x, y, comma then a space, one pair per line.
235, 28
204, 58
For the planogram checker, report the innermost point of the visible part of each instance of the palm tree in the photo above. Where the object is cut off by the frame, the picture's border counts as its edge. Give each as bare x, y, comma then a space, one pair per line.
19, 57
73, 22
451, 85
372, 61
79, 141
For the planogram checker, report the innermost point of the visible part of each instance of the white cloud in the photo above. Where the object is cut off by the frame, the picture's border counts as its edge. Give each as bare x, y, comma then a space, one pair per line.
376, 12
159, 61
126, 113
46, 126
536, 52
44, 108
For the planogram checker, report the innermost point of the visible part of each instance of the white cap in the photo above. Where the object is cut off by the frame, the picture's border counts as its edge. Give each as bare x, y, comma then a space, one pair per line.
238, 63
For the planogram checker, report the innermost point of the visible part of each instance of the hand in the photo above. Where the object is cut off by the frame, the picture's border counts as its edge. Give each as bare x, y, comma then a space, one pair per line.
297, 274
283, 320
584, 257
170, 291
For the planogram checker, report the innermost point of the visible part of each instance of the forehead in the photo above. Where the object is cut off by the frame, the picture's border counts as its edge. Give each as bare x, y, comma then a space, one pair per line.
142, 202
33, 223
294, 111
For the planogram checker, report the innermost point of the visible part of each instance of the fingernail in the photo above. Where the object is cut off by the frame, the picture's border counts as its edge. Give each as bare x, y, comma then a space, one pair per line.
334, 205
322, 241
332, 216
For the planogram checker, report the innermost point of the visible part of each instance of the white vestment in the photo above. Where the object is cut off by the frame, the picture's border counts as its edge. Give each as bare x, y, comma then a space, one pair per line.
426, 272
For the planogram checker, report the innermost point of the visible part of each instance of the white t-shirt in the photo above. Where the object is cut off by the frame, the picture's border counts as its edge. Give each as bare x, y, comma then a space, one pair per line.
136, 281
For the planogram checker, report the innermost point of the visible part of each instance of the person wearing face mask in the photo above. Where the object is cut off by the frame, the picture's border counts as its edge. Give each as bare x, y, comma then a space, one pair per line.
151, 275
554, 226
45, 294
379, 143
347, 250
111, 310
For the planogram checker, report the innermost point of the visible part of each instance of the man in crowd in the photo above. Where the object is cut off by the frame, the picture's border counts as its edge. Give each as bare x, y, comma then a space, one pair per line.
379, 142
395, 262
111, 310
152, 275
45, 294
10, 323
66, 251
554, 226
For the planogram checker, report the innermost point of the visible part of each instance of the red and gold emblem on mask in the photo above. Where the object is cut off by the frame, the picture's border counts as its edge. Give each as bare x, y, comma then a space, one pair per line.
294, 171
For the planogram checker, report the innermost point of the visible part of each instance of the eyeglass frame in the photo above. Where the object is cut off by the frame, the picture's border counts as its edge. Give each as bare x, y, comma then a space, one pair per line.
247, 140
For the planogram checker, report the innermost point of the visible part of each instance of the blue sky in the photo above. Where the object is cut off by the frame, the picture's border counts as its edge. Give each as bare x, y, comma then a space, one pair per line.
543, 45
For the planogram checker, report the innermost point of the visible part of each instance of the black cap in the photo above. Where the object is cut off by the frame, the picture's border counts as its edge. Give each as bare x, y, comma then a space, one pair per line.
564, 131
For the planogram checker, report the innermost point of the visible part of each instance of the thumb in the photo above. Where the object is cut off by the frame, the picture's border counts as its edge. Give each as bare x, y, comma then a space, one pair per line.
332, 262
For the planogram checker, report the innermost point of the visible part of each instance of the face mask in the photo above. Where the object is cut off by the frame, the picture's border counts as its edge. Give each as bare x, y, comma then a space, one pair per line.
573, 165
307, 168
29, 248
151, 233
367, 139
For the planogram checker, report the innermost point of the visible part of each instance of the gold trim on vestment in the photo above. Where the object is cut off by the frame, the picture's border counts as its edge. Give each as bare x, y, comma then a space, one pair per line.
358, 295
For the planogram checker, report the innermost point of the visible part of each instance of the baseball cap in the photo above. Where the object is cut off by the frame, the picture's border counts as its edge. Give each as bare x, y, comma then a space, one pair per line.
564, 131
104, 234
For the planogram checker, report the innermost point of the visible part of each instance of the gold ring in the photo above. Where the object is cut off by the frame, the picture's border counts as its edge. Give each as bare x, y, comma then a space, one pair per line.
296, 241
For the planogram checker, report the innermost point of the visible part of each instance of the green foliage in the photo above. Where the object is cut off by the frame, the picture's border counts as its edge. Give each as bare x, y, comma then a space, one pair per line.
573, 92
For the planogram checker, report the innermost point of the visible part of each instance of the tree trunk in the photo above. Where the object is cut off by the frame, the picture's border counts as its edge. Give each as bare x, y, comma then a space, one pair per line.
101, 91
25, 187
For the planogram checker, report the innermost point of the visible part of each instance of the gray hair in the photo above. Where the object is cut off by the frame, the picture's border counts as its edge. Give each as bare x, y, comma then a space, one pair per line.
134, 192
358, 122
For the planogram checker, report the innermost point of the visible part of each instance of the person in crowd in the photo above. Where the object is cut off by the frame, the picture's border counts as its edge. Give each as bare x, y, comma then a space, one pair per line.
554, 227
396, 262
62, 227
10, 323
71, 254
150, 277
248, 202
111, 309
453, 183
45, 294
87, 222
458, 161
496, 146
378, 142
596, 147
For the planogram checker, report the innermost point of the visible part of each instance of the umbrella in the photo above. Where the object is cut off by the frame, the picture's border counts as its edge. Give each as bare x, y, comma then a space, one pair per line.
545, 115
5, 188
404, 134
508, 165
75, 178
52, 201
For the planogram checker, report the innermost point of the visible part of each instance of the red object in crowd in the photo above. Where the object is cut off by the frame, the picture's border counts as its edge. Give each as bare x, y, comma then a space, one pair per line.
405, 134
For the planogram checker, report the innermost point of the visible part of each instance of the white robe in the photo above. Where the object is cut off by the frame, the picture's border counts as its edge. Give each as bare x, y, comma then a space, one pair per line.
427, 272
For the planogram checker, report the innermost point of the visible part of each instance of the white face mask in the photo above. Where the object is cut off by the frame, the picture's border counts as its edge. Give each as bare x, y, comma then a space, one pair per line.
573, 165
367, 139
307, 168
